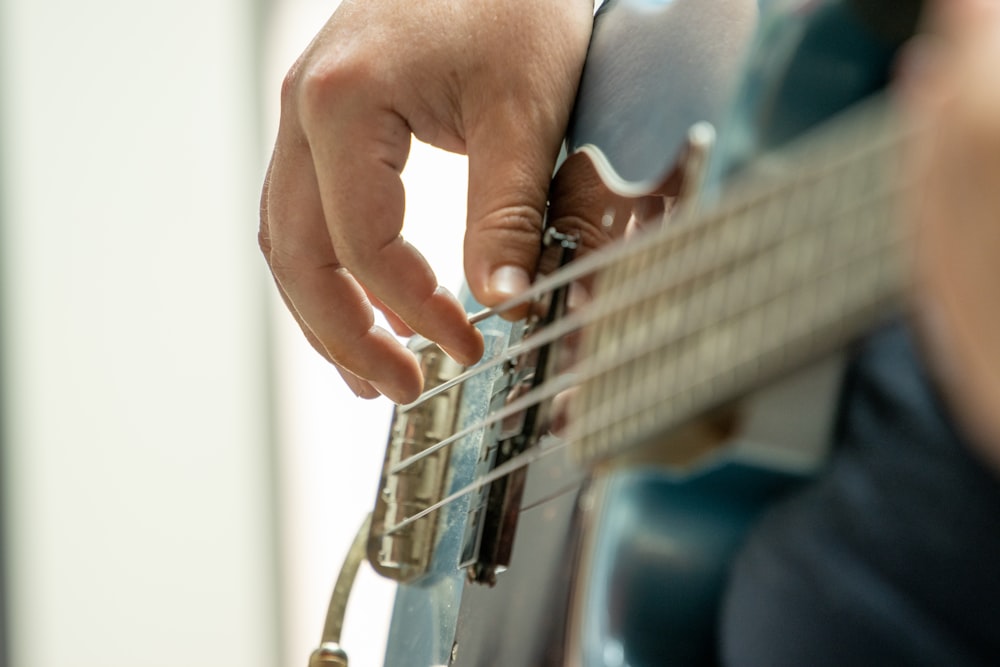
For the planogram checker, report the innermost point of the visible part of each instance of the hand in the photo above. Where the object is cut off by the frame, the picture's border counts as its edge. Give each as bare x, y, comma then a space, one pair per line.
954, 96
492, 79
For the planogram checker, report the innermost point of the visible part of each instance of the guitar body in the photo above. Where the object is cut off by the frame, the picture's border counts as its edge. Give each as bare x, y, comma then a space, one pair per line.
623, 563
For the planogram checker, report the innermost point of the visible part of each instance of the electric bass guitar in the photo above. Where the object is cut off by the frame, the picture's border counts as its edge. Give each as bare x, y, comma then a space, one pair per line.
576, 497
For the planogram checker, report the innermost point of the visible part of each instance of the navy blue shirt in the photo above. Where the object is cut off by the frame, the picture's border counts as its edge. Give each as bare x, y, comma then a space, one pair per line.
893, 556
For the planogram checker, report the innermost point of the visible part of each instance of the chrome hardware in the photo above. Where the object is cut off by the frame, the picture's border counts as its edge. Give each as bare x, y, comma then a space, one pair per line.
405, 554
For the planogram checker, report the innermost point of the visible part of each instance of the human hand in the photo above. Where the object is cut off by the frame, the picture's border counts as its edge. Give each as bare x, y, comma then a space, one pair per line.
493, 80
954, 97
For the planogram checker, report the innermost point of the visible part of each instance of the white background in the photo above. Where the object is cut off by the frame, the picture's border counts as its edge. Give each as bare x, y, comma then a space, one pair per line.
182, 474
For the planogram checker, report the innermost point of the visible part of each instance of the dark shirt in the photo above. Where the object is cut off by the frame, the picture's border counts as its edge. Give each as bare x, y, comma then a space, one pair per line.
893, 556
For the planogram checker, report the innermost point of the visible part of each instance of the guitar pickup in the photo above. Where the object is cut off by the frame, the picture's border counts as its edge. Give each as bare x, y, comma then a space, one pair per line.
494, 509
405, 554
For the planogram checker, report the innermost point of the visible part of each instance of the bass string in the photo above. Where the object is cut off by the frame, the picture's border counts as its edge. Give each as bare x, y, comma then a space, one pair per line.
569, 323
594, 262
531, 398
674, 232
581, 268
747, 191
509, 467
557, 443
656, 396
548, 389
606, 309
545, 286
538, 451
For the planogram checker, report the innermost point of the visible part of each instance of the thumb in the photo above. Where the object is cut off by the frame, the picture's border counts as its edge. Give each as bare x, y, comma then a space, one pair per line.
509, 173
503, 244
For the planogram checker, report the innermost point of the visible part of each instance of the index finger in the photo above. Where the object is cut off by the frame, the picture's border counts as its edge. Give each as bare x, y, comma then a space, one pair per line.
323, 296
359, 156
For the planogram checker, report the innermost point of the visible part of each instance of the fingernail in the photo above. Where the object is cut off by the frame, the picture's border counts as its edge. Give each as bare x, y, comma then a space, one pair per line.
509, 281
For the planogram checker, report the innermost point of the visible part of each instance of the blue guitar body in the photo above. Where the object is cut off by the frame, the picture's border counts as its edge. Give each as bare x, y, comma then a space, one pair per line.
625, 563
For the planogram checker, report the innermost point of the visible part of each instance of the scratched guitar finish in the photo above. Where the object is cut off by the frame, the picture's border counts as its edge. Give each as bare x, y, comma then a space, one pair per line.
608, 544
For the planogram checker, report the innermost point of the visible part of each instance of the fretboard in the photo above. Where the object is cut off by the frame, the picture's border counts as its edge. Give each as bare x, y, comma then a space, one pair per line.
802, 255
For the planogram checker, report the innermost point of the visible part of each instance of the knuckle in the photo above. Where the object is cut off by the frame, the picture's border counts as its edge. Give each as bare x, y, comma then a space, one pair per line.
315, 82
322, 84
515, 226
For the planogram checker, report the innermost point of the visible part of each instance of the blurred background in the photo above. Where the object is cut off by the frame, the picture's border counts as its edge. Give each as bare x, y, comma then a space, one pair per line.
181, 474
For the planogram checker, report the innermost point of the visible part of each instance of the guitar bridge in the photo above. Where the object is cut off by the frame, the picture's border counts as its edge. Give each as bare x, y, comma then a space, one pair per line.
405, 554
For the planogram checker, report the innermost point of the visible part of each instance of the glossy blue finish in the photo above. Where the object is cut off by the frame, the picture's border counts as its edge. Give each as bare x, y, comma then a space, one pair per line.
654, 69
809, 61
660, 563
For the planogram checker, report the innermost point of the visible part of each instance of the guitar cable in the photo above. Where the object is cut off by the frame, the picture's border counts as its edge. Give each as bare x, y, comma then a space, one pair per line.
329, 653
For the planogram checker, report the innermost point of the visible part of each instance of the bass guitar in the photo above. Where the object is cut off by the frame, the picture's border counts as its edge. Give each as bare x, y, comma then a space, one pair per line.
576, 497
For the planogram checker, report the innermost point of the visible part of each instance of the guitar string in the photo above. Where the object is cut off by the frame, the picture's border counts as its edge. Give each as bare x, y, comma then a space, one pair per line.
587, 317
675, 231
583, 268
853, 120
538, 452
552, 387
535, 453
580, 318
637, 408
610, 307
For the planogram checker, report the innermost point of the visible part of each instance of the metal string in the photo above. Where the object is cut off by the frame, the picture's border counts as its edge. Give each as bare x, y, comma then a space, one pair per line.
592, 370
581, 268
619, 251
589, 315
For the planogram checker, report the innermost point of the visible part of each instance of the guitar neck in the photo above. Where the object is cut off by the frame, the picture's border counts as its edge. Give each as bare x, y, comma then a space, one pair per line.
801, 256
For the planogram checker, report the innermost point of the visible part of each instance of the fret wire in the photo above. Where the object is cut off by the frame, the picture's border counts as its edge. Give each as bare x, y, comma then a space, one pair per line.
862, 254
637, 408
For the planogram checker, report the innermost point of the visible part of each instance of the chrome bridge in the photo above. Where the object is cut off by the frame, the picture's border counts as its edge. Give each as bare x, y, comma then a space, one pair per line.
405, 554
